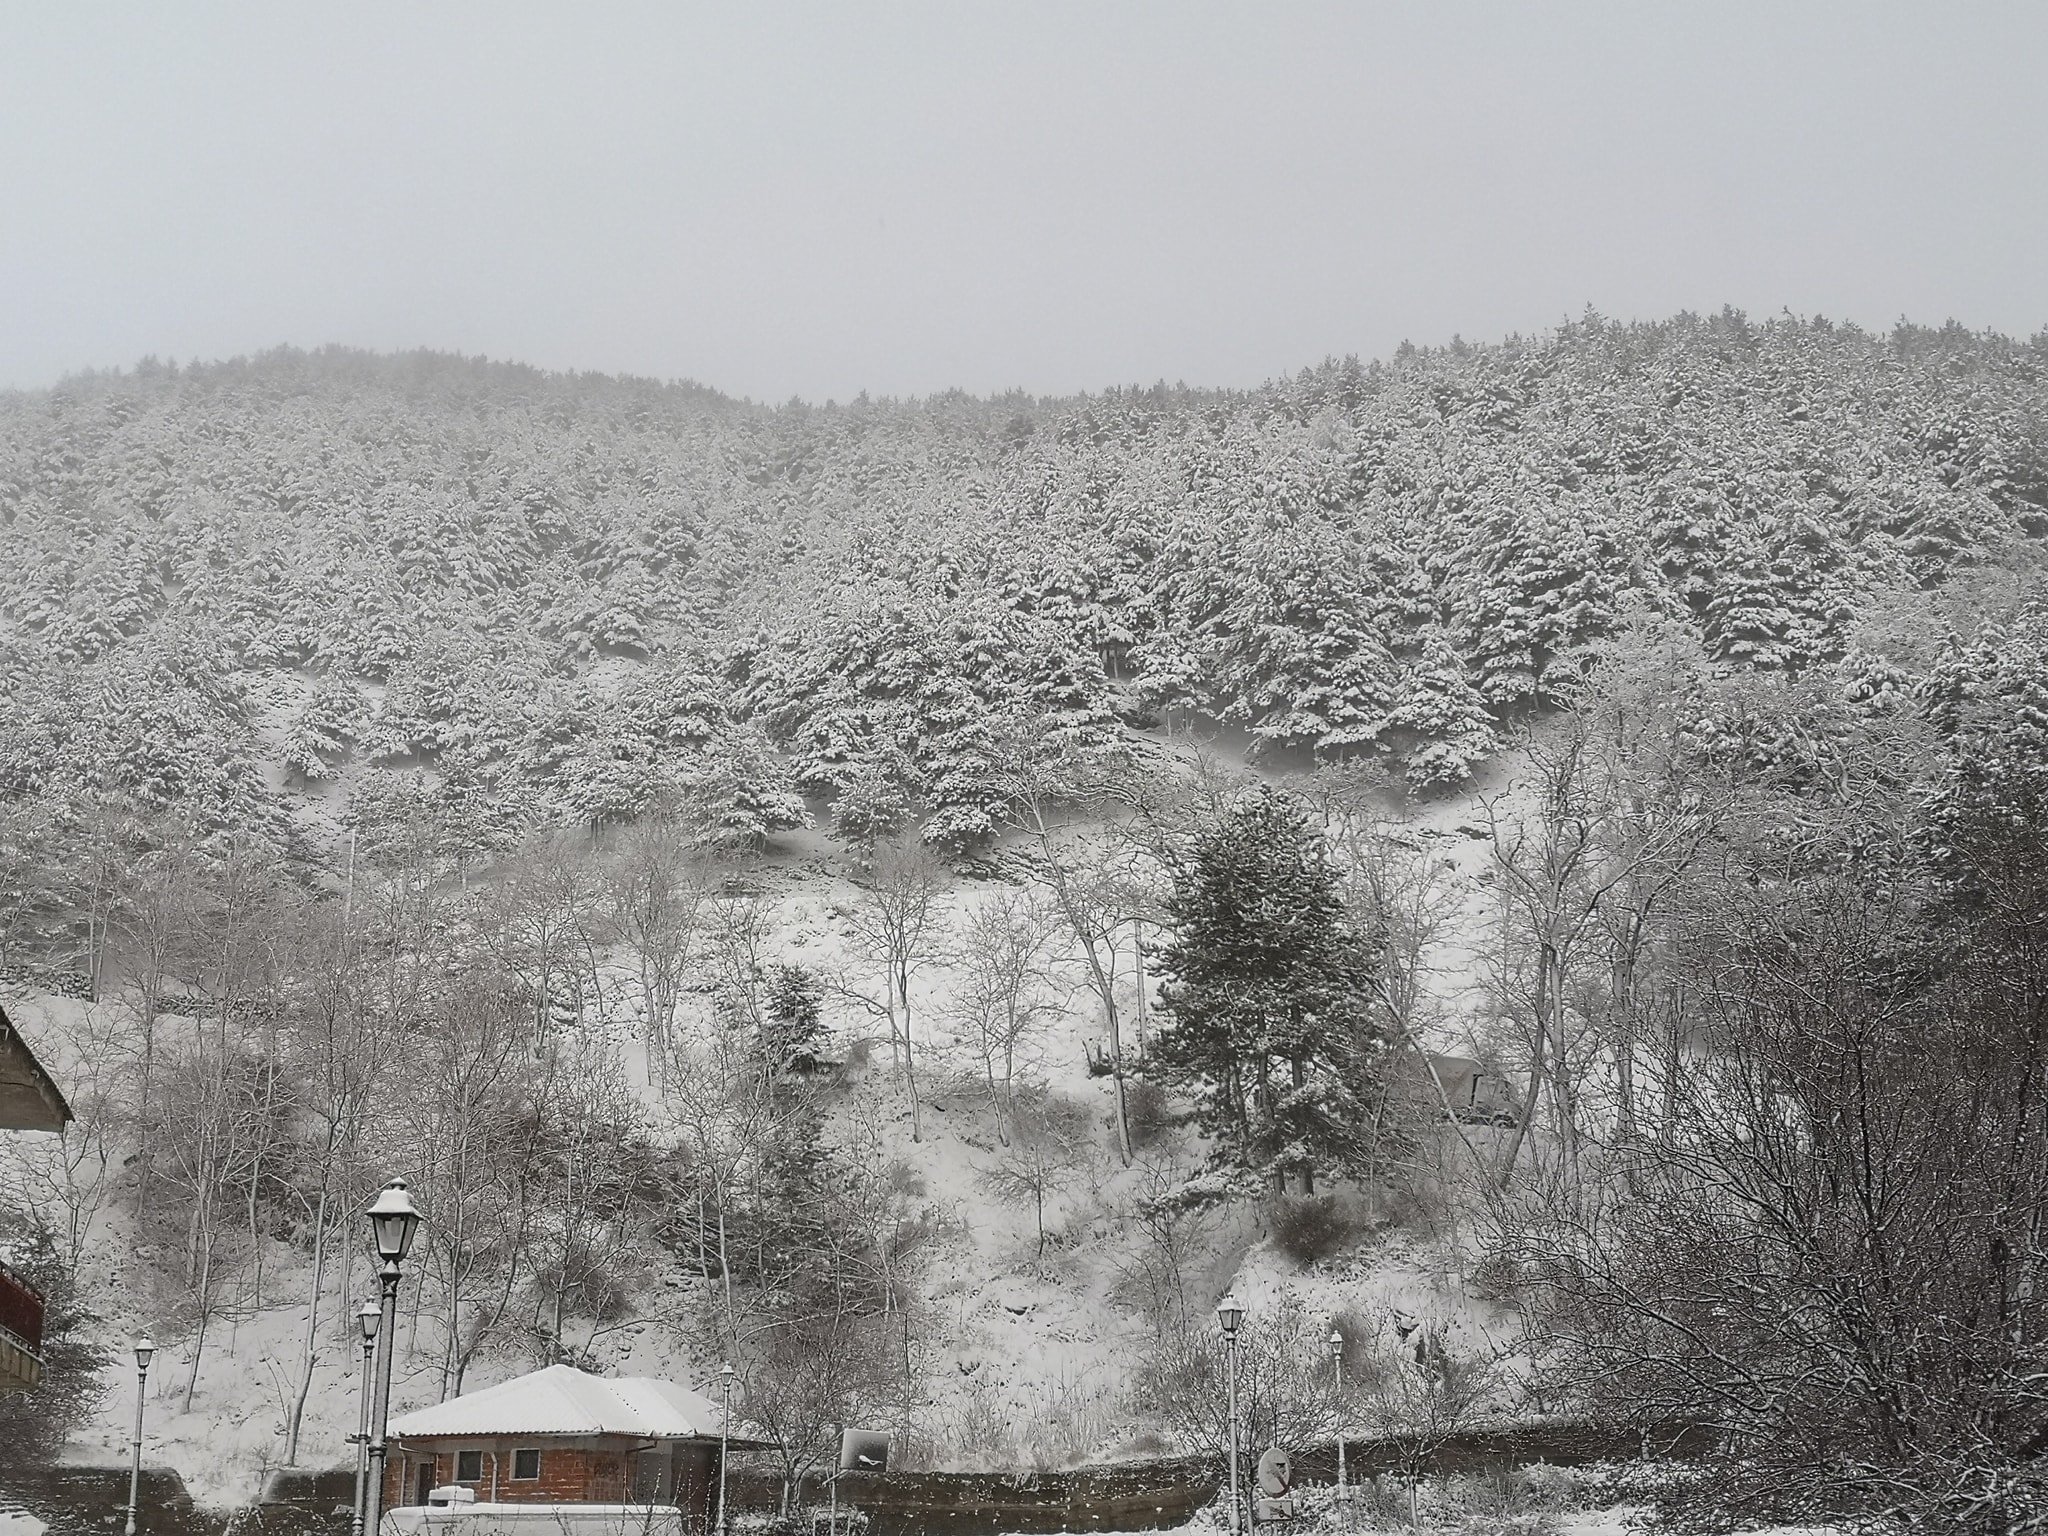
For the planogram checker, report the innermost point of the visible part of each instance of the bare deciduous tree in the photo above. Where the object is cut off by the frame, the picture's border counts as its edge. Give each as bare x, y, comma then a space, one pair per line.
211, 1128
338, 1047
1171, 1230
653, 887
472, 1130
1042, 1157
535, 922
897, 927
1004, 953
1096, 882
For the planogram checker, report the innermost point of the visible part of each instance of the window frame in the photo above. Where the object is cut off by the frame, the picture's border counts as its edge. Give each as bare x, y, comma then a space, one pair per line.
528, 1477
465, 1455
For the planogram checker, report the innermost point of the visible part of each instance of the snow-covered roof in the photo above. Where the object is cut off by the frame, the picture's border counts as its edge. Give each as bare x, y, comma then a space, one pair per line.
562, 1400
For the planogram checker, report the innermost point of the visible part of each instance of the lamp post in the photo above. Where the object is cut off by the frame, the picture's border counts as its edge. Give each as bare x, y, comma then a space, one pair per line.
368, 1319
1230, 1313
725, 1375
1337, 1362
143, 1350
393, 1221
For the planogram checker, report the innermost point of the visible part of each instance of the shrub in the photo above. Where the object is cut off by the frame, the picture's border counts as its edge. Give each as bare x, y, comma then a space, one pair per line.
1148, 1111
1310, 1228
904, 1179
812, 1521
1416, 1202
1496, 1277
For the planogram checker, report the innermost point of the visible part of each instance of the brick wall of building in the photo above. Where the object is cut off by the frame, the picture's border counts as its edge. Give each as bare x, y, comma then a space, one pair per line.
598, 1472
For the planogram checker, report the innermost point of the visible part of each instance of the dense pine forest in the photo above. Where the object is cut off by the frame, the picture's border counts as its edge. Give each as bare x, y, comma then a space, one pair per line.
698, 842
570, 596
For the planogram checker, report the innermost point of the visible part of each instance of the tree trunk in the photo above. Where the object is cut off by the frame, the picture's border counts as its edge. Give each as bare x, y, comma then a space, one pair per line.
1105, 989
1308, 1173
309, 1356
1138, 961
909, 1054
1529, 1102
725, 1260
995, 1100
198, 1349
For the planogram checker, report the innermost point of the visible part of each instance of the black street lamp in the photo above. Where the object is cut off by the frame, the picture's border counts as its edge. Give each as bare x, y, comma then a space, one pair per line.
1230, 1313
367, 1319
1337, 1361
725, 1375
393, 1222
144, 1348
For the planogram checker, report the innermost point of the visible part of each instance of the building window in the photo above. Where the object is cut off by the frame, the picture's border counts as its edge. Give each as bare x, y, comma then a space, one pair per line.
525, 1465
469, 1466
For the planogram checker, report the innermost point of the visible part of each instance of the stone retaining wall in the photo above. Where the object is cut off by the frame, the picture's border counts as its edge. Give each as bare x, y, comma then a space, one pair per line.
72, 984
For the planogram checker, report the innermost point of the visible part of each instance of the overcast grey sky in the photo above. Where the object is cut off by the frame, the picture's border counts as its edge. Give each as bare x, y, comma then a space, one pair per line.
823, 198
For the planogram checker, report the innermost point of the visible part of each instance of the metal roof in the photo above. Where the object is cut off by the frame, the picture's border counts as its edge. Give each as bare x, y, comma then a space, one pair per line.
562, 1400
29, 1100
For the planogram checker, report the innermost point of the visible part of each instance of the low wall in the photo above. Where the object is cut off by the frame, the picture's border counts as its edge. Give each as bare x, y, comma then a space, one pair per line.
1160, 1494
91, 1501
1563, 1443
1124, 1496
1133, 1496
299, 1501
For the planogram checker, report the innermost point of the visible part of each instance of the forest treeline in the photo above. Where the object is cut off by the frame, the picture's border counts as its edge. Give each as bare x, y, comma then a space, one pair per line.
573, 596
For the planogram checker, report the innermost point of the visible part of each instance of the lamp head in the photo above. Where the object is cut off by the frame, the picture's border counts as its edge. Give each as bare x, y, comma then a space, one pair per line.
1336, 1345
144, 1348
393, 1221
1230, 1312
368, 1318
725, 1375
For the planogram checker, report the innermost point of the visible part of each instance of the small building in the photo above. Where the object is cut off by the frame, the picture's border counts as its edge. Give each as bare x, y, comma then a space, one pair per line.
21, 1333
29, 1101
1474, 1094
562, 1437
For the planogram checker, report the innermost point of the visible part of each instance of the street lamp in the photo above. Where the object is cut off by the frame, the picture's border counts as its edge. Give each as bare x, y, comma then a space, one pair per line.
368, 1319
1230, 1313
144, 1348
725, 1375
393, 1221
1337, 1361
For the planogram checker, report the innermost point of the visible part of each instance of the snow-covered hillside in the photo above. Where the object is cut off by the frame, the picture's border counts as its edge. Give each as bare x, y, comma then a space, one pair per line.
1022, 1359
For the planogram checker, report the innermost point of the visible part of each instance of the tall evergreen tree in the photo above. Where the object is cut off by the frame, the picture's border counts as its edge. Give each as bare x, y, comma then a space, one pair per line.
1266, 986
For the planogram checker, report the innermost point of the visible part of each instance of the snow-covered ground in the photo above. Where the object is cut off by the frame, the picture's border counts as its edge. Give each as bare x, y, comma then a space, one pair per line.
1041, 1346
1618, 1522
